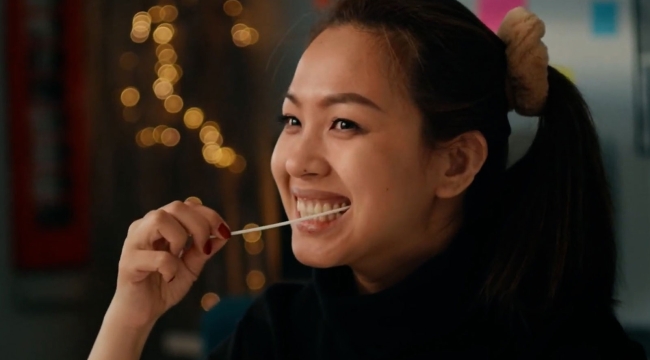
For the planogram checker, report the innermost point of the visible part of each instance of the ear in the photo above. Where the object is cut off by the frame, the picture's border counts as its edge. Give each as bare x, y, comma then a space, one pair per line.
459, 160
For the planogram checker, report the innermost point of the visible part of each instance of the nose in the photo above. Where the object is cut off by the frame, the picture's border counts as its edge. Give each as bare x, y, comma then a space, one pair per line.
307, 158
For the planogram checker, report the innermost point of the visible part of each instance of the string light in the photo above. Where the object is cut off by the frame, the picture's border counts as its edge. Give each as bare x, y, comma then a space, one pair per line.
173, 104
168, 72
212, 153
146, 137
232, 8
254, 248
170, 137
157, 133
227, 157
238, 166
163, 88
255, 280
169, 13
193, 118
155, 13
163, 33
167, 56
254, 236
130, 96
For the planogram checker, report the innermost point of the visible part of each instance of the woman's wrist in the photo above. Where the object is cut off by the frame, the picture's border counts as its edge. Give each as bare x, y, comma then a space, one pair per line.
119, 338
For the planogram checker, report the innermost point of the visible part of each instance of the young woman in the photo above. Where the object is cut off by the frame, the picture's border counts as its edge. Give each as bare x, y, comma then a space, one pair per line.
398, 108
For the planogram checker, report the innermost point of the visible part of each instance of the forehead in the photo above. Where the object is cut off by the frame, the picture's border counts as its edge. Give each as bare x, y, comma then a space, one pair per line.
344, 59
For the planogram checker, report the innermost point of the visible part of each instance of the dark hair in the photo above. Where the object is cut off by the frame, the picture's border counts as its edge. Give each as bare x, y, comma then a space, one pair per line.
550, 214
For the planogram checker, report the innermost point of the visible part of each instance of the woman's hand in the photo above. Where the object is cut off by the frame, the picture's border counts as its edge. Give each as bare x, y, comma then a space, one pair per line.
160, 261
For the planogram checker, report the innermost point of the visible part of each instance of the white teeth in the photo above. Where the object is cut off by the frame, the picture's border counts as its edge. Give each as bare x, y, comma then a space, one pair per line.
307, 208
326, 207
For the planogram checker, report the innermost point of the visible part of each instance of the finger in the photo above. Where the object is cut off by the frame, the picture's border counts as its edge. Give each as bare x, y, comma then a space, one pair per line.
156, 225
194, 222
196, 258
218, 226
134, 225
138, 264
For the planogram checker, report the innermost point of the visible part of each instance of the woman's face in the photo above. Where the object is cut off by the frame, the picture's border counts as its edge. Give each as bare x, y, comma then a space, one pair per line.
352, 138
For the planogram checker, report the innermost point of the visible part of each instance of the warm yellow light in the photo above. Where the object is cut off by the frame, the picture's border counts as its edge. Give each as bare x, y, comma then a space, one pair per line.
155, 13
130, 96
211, 153
255, 280
142, 17
131, 114
162, 47
163, 33
157, 133
170, 137
194, 199
252, 236
179, 71
128, 60
167, 56
232, 7
238, 166
193, 118
254, 248
242, 38
209, 300
138, 139
237, 27
162, 88
255, 36
227, 157
139, 34
213, 124
210, 134
168, 72
174, 104
169, 13
146, 137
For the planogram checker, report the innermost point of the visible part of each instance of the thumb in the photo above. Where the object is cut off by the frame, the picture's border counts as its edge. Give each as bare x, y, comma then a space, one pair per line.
195, 259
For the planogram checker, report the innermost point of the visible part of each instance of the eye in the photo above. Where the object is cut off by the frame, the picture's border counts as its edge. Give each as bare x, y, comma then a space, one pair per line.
288, 120
345, 125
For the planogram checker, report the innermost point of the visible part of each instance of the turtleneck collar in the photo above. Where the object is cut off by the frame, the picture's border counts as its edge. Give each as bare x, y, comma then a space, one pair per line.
428, 304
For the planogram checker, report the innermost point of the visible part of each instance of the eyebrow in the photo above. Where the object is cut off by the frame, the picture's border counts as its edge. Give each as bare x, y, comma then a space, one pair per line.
340, 98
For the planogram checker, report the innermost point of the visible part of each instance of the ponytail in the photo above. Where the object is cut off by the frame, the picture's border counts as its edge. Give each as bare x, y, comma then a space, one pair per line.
556, 241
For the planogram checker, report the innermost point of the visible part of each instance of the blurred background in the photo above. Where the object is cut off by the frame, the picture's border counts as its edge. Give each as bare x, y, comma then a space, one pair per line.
111, 108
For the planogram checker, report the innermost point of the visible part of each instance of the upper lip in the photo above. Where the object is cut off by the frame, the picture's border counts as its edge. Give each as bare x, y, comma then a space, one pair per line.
314, 194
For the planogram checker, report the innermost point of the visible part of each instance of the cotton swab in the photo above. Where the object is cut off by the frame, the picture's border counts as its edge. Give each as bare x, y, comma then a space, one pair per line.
266, 227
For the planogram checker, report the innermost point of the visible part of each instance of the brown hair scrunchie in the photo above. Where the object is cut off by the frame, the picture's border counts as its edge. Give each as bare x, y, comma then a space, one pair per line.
527, 83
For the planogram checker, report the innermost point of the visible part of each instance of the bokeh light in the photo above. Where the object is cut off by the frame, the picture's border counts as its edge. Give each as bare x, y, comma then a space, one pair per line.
238, 166
174, 104
130, 96
163, 33
254, 248
167, 56
193, 118
228, 156
252, 236
212, 153
242, 38
157, 133
232, 8
170, 137
145, 137
255, 280
162, 88
155, 13
169, 13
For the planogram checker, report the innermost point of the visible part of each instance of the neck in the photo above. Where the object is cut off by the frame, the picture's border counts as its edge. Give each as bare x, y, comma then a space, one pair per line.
382, 272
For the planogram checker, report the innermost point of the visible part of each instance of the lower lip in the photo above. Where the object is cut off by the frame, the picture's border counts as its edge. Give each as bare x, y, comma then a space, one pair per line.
315, 226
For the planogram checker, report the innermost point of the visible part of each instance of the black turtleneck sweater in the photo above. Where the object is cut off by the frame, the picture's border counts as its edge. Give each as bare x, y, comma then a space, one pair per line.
432, 314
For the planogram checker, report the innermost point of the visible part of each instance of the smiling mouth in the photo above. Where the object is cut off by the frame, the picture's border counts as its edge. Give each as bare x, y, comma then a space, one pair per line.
307, 207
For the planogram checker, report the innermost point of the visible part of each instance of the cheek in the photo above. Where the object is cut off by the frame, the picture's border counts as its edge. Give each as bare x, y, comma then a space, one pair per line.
278, 160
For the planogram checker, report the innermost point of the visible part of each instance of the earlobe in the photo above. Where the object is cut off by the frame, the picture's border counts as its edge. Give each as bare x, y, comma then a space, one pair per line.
462, 158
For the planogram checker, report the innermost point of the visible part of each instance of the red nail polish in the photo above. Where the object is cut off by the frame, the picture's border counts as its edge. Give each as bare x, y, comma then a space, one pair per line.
224, 231
207, 249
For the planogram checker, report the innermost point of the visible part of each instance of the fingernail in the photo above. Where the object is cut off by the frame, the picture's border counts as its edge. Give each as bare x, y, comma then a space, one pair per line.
207, 249
172, 279
224, 231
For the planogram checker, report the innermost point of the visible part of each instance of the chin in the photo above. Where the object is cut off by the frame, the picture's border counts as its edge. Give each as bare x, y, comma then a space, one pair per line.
310, 253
